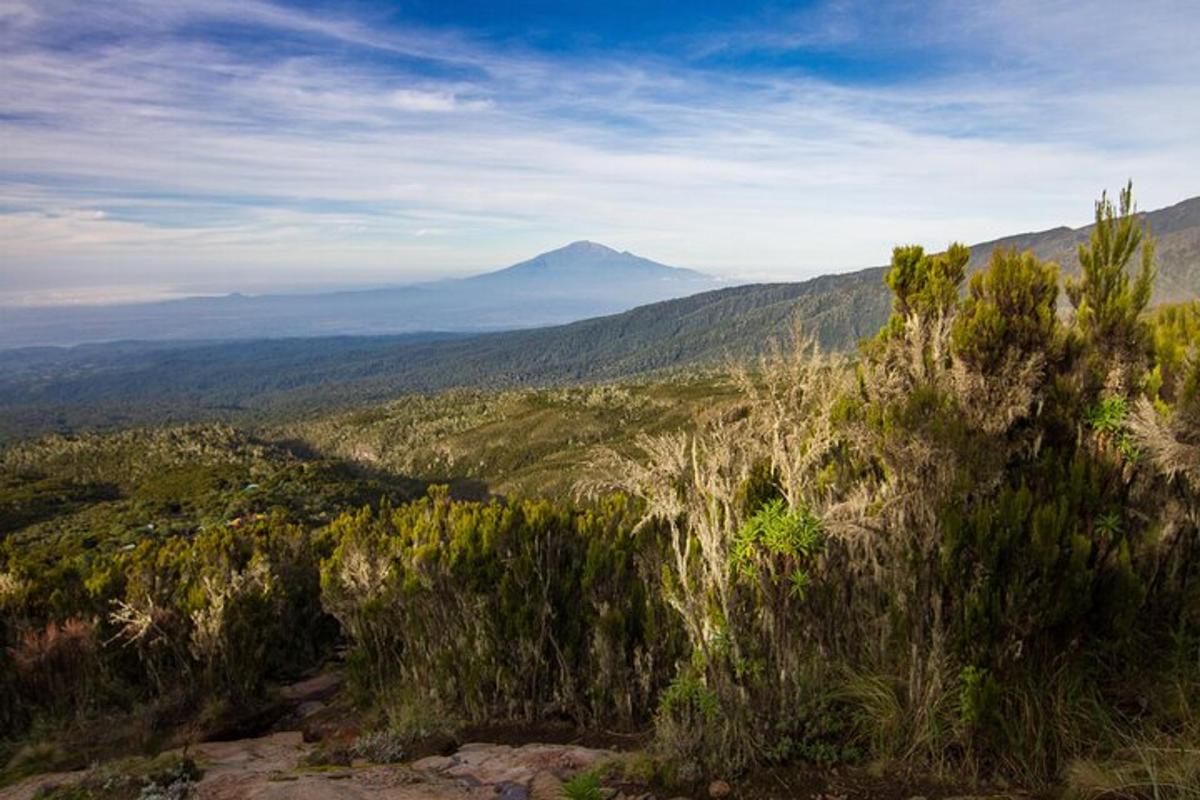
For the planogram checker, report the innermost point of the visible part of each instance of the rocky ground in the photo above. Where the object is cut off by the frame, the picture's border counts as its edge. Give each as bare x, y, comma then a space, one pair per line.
272, 767
277, 765
292, 762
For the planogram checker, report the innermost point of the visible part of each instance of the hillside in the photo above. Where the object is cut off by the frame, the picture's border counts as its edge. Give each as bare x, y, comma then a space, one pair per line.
581, 280
131, 382
1176, 230
475, 564
52, 389
527, 442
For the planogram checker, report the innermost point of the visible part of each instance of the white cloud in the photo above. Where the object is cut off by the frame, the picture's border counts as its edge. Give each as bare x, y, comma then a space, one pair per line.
157, 156
417, 100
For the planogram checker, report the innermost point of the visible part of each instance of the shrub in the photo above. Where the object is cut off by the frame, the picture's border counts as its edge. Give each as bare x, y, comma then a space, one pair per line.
549, 605
381, 747
1010, 313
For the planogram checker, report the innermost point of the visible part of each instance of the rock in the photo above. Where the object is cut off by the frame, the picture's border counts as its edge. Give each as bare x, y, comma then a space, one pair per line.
308, 708
434, 764
719, 789
579, 759
319, 687
513, 791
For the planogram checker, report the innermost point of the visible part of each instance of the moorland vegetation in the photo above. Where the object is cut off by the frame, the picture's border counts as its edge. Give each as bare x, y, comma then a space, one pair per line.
973, 547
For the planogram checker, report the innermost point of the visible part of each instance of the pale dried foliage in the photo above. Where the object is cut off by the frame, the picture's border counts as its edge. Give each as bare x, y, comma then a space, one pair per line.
690, 483
891, 524
362, 578
1145, 771
995, 403
12, 589
694, 485
877, 484
362, 573
153, 631
1170, 443
140, 621
790, 397
209, 638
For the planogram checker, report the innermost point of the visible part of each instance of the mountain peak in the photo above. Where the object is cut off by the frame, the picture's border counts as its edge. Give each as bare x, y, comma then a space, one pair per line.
584, 246
586, 268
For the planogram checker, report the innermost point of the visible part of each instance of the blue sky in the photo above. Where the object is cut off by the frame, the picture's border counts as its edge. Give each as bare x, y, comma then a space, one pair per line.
150, 148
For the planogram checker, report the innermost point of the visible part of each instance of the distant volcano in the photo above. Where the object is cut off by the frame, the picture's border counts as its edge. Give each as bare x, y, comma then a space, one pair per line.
581, 280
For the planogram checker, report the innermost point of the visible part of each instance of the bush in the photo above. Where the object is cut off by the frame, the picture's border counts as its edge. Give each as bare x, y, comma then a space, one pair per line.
506, 609
381, 747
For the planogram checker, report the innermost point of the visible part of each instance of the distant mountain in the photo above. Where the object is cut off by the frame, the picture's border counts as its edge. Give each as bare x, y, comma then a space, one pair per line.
578, 281
57, 388
585, 267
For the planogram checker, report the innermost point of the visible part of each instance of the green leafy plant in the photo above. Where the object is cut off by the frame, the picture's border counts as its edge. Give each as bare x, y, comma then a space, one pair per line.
584, 786
1109, 417
775, 531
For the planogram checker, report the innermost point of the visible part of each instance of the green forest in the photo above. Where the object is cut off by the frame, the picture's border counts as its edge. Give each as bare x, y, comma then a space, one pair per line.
970, 547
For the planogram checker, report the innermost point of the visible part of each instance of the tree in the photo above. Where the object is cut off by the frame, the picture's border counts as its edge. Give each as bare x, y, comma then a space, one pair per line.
1009, 313
924, 285
1108, 300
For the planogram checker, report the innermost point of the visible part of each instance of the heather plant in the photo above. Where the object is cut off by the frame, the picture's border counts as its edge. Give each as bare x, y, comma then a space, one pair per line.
505, 609
1109, 298
186, 622
1009, 313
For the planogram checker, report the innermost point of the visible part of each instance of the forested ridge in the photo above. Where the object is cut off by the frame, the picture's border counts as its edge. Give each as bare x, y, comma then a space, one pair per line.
969, 546
127, 383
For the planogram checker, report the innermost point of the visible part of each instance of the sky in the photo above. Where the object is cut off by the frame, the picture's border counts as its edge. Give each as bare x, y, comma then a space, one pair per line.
151, 149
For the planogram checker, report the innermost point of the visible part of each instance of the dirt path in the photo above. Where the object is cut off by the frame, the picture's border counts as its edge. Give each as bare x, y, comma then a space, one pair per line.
270, 767
266, 768
274, 766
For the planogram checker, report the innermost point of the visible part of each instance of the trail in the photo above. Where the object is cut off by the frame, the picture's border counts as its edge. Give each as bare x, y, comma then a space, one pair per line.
269, 768
272, 767
266, 768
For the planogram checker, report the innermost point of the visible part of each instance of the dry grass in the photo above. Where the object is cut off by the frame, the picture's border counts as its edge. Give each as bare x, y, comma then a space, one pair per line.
1141, 771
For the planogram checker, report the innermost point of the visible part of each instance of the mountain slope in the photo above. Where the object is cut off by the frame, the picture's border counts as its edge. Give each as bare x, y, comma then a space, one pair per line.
50, 388
1176, 230
578, 281
112, 384
586, 266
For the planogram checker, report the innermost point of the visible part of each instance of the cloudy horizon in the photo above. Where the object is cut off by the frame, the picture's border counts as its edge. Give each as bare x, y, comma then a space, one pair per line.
156, 149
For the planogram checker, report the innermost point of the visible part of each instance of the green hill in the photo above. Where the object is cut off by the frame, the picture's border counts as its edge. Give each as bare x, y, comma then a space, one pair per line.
130, 383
